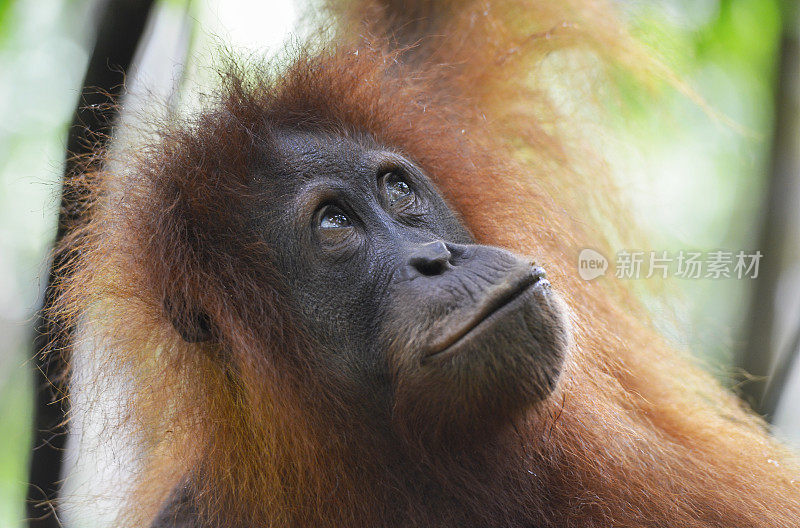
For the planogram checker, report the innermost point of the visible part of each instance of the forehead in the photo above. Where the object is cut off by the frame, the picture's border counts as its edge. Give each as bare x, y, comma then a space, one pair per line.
312, 154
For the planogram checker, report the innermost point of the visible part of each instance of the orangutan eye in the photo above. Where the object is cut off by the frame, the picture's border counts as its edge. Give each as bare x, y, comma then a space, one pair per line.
333, 218
397, 189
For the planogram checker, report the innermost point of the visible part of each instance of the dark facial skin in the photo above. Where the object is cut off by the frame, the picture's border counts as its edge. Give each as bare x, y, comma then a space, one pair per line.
419, 325
424, 339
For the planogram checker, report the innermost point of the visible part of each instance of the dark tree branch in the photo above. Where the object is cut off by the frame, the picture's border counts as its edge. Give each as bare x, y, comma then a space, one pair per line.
760, 349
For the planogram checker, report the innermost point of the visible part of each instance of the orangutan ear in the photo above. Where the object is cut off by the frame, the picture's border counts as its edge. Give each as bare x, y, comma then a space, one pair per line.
191, 323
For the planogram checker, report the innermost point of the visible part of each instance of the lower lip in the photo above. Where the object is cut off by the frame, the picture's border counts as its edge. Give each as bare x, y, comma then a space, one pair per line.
541, 286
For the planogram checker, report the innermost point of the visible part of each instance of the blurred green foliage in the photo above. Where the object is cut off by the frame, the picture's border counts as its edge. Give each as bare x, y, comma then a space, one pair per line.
42, 57
5, 8
695, 176
15, 412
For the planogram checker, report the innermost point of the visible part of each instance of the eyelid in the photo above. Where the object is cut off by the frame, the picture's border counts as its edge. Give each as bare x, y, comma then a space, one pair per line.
393, 166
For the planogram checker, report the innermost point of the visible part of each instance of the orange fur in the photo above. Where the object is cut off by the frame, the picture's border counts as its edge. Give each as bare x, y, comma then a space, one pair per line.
635, 436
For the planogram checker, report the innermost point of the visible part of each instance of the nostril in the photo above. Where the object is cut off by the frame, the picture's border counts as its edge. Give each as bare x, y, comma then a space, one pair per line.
430, 267
431, 259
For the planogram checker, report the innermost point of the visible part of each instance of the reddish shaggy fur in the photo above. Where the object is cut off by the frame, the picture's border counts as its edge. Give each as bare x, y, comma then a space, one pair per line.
635, 436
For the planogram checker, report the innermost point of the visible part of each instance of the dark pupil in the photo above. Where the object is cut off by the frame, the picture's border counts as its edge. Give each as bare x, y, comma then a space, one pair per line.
397, 189
334, 220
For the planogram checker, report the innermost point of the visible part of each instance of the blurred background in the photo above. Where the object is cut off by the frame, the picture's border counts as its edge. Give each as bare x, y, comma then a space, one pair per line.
697, 179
